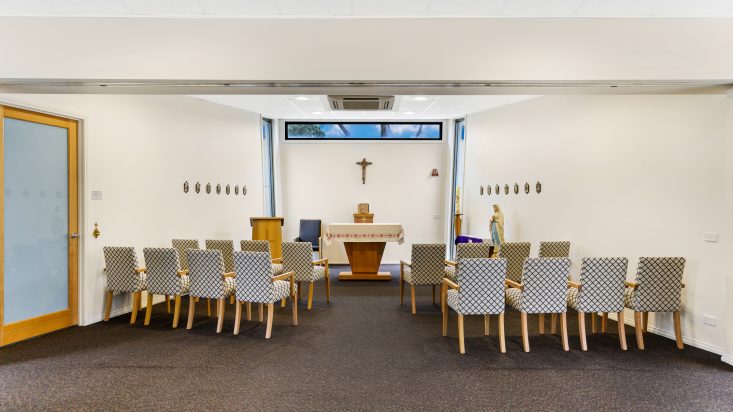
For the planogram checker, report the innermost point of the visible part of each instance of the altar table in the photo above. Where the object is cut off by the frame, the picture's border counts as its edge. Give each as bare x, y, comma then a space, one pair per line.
364, 244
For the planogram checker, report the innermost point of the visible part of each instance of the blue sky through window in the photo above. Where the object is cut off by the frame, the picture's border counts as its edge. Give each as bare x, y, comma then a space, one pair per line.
351, 130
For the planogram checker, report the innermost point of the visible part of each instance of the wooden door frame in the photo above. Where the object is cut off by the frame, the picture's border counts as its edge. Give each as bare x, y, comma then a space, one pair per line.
56, 320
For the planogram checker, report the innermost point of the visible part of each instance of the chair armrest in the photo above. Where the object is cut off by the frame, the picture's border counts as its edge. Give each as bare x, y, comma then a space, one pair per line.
451, 263
403, 263
683, 285
631, 284
284, 276
450, 284
277, 260
228, 275
140, 270
514, 284
574, 285
182, 273
321, 261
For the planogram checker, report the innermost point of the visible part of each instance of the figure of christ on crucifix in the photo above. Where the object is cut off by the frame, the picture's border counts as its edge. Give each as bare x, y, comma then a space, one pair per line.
363, 165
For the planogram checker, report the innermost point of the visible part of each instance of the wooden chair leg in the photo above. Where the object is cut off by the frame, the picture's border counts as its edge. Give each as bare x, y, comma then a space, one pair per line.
176, 310
310, 295
502, 340
237, 317
645, 323
208, 307
168, 303
139, 301
295, 310
445, 317
270, 311
249, 310
553, 323
231, 300
487, 320
581, 331
525, 337
639, 330
220, 314
412, 299
433, 294
299, 289
262, 312
282, 303
621, 329
402, 291
593, 327
108, 305
677, 329
148, 309
564, 331
328, 288
542, 323
604, 320
135, 306
461, 345
191, 304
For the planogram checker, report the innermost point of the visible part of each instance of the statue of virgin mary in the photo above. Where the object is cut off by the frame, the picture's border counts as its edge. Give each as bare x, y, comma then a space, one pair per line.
496, 225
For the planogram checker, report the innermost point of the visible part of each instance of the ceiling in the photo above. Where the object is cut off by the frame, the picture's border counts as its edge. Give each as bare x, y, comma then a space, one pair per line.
369, 8
315, 107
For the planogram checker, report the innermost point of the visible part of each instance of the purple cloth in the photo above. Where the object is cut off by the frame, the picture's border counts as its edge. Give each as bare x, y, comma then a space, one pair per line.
468, 239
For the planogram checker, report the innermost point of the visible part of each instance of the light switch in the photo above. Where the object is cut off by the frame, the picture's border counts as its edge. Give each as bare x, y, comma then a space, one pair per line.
96, 195
711, 237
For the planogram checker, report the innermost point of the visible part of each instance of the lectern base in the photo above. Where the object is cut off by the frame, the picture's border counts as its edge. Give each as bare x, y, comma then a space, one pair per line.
365, 276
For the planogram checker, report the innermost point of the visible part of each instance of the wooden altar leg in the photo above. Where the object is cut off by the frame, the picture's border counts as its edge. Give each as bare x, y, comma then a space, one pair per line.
364, 258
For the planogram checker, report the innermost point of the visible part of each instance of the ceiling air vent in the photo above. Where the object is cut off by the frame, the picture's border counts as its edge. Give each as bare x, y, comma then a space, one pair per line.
361, 102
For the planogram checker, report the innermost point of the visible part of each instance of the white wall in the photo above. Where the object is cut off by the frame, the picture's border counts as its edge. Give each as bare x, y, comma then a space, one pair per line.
727, 235
138, 150
322, 181
622, 176
367, 49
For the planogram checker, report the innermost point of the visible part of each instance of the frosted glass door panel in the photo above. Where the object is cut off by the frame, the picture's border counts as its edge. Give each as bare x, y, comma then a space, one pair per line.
36, 220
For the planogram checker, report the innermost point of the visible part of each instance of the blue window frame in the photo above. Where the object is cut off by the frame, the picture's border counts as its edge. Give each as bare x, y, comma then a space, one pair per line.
363, 130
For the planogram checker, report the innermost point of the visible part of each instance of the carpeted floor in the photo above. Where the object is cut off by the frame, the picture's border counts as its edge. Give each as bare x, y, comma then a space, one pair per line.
361, 352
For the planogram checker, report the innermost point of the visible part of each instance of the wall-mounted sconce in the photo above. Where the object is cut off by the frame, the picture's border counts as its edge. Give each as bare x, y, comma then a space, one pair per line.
434, 172
96, 231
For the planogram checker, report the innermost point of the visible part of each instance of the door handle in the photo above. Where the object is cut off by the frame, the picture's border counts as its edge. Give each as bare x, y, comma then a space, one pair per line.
73, 236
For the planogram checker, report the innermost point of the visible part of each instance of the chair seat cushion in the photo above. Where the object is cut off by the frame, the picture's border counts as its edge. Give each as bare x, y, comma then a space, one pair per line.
629, 298
454, 299
319, 272
185, 284
277, 269
450, 273
141, 285
573, 298
281, 289
514, 298
230, 286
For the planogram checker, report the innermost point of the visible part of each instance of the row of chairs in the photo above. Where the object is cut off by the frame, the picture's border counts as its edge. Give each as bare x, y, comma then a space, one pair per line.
475, 284
217, 272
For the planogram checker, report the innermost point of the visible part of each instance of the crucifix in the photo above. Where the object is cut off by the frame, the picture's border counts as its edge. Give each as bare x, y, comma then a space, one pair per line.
363, 165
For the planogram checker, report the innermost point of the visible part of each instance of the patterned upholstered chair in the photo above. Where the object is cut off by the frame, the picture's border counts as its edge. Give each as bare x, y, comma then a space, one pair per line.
658, 288
466, 251
165, 277
123, 275
257, 284
554, 249
208, 279
479, 290
226, 247
425, 269
543, 290
262, 246
181, 245
601, 289
298, 258
514, 253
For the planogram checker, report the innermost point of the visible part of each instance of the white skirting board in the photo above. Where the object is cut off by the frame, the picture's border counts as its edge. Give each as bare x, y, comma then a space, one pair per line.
127, 309
670, 334
727, 359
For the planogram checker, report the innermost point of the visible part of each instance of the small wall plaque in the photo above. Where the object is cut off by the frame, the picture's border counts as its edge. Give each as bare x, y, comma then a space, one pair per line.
526, 187
481, 190
208, 188
488, 190
218, 189
538, 187
227, 189
516, 188
506, 189
236, 190
185, 186
244, 190
496, 190
197, 187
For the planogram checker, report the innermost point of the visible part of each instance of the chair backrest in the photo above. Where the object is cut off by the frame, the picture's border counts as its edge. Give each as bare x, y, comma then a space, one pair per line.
255, 246
602, 281
428, 265
298, 257
205, 268
161, 267
226, 247
181, 245
121, 267
515, 253
310, 230
254, 277
481, 284
660, 284
545, 283
473, 251
554, 249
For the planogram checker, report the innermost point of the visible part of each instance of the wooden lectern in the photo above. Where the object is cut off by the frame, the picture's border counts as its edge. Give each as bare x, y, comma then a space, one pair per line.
269, 228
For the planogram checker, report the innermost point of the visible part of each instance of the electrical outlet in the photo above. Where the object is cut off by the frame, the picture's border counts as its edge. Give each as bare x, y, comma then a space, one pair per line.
711, 237
709, 320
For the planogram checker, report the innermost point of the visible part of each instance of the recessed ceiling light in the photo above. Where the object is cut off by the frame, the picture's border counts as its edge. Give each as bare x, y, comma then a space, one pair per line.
316, 112
303, 98
409, 112
419, 98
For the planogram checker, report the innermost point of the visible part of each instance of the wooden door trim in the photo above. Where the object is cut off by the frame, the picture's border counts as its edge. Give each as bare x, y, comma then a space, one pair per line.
14, 332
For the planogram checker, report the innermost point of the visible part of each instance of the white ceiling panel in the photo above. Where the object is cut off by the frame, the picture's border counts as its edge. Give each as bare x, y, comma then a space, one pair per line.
25, 7
540, 8
390, 7
628, 8
163, 7
314, 7
90, 7
239, 7
465, 7
691, 8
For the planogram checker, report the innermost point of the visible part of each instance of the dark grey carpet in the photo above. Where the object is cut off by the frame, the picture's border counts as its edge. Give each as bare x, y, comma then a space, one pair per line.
361, 352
